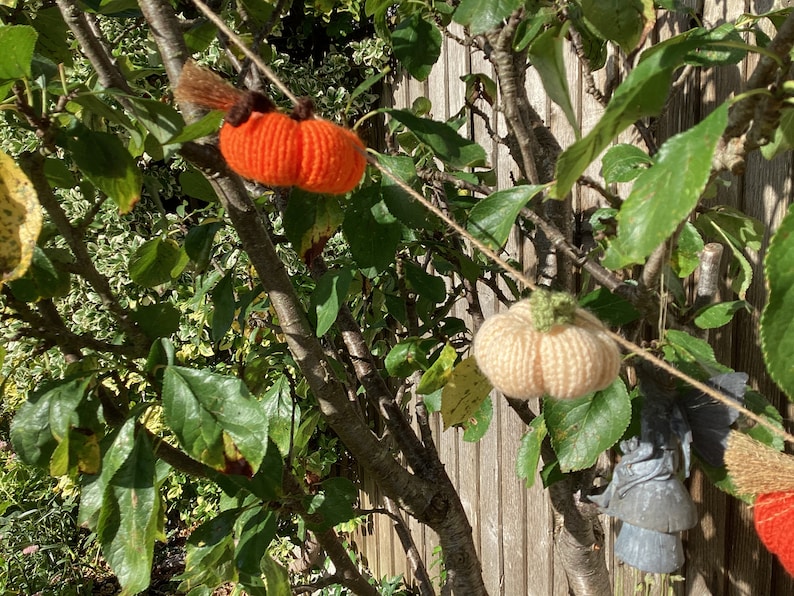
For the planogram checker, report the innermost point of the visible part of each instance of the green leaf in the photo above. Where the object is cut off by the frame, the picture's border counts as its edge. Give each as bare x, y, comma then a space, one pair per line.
216, 419
691, 355
528, 454
155, 261
408, 355
309, 222
258, 528
718, 47
207, 125
128, 522
372, 244
283, 414
157, 320
478, 424
665, 194
161, 121
717, 315
621, 21
426, 285
276, 577
16, 51
581, 429
118, 445
643, 93
439, 372
194, 184
404, 208
757, 403
740, 232
529, 27
481, 16
623, 163
209, 557
610, 308
223, 307
44, 420
442, 139
333, 504
777, 319
328, 297
545, 54
465, 391
492, 218
416, 43
42, 279
200, 241
103, 159
686, 256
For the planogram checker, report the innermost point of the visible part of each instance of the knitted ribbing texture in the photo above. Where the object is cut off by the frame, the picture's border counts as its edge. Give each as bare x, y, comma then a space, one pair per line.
265, 148
331, 158
774, 521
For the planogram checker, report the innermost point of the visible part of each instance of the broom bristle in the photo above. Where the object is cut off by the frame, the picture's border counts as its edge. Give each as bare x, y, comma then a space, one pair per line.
203, 87
757, 469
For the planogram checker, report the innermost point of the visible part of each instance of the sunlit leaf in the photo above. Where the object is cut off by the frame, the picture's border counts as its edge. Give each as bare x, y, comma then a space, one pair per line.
623, 163
416, 43
156, 262
328, 297
583, 428
128, 522
528, 454
717, 315
546, 55
216, 419
439, 372
16, 51
464, 393
666, 193
492, 218
621, 21
481, 16
20, 220
777, 319
478, 423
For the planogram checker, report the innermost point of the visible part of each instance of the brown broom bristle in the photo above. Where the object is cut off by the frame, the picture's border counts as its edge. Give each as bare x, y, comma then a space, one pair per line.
757, 469
201, 86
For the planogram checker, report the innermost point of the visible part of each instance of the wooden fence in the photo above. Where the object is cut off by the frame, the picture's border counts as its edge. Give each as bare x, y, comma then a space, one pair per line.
513, 526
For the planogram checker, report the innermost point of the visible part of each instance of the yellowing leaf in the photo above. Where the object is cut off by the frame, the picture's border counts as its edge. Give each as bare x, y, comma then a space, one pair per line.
20, 220
463, 394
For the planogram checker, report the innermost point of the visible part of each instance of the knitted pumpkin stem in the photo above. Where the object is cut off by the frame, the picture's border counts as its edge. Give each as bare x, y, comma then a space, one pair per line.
249, 102
303, 110
551, 308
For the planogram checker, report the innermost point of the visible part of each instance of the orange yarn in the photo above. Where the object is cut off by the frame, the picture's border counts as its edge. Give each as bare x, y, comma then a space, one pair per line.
331, 161
774, 522
272, 147
266, 148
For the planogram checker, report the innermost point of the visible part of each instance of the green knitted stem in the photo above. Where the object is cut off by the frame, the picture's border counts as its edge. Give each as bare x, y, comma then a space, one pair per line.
551, 308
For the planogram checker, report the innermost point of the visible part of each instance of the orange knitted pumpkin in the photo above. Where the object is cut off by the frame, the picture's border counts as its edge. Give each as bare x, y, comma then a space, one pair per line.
773, 514
528, 351
271, 147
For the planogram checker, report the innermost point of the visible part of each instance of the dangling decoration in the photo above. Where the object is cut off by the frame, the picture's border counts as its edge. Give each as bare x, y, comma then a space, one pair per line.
646, 492
544, 345
274, 148
768, 475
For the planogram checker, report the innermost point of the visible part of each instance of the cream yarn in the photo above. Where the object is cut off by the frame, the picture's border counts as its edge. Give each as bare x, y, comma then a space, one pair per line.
568, 361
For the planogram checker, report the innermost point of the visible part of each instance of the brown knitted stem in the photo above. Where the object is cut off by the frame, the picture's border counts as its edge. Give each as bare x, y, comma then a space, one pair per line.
757, 469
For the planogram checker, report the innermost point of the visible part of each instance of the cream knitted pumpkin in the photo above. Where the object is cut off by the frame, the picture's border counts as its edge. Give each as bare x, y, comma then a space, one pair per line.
565, 360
